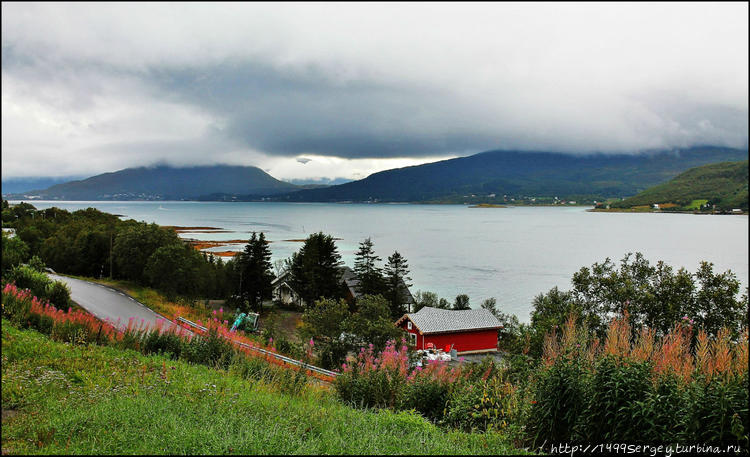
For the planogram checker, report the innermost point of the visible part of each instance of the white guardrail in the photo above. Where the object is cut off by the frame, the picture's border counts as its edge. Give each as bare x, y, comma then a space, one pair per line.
283, 358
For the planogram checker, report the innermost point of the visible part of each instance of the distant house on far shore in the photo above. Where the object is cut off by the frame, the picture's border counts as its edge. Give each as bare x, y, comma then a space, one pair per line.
285, 293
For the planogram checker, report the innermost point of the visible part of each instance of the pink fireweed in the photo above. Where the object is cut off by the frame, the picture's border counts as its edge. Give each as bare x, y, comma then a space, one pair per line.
395, 363
107, 332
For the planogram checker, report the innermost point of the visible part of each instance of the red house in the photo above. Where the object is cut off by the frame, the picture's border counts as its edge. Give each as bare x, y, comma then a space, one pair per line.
468, 331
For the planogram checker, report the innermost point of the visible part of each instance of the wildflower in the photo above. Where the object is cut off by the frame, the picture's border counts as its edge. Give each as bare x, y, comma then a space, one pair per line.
312, 343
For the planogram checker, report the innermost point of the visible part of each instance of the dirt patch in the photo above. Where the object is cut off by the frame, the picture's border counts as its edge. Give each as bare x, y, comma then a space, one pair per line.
9, 413
284, 322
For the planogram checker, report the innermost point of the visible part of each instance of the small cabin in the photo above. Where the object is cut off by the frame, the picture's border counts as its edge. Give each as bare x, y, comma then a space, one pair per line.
469, 331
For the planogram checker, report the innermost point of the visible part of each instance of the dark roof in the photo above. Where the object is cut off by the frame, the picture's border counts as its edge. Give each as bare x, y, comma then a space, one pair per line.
436, 320
349, 278
351, 281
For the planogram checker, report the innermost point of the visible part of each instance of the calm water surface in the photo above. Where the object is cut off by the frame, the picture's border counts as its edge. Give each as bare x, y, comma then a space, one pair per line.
511, 254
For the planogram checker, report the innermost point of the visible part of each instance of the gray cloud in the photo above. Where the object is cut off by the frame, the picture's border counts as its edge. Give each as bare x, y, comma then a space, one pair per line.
89, 88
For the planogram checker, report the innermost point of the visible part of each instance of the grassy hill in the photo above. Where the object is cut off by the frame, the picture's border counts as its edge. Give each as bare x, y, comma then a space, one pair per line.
722, 184
518, 173
68, 399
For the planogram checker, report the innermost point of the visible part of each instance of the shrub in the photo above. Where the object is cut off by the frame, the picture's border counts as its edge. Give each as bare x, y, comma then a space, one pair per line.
427, 396
557, 402
58, 293
26, 277
209, 349
486, 405
615, 397
159, 341
630, 390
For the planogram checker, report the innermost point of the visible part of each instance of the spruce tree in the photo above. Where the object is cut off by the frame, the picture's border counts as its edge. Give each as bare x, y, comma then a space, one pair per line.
255, 270
366, 270
314, 270
396, 277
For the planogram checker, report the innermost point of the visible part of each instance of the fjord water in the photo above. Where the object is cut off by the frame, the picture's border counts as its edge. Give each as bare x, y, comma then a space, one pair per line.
511, 254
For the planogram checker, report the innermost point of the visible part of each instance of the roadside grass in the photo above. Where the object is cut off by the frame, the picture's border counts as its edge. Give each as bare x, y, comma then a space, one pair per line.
155, 300
101, 400
284, 322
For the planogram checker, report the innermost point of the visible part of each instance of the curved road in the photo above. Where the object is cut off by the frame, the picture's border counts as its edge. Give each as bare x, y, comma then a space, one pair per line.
109, 304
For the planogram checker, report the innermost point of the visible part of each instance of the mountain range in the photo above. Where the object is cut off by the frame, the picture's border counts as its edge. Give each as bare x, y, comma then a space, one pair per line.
512, 173
518, 173
168, 183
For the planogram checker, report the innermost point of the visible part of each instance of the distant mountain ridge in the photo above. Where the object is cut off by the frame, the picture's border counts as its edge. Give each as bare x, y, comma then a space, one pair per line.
484, 176
522, 173
167, 183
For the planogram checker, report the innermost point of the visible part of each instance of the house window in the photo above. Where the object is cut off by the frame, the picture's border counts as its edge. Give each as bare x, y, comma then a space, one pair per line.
408, 325
413, 339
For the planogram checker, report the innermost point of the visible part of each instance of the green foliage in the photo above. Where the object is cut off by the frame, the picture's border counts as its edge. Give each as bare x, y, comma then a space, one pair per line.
372, 323
254, 265
653, 295
426, 395
107, 401
423, 299
613, 397
722, 184
315, 269
484, 405
135, 244
396, 279
323, 322
558, 399
87, 242
717, 411
14, 252
210, 349
461, 302
369, 275
174, 268
335, 330
26, 277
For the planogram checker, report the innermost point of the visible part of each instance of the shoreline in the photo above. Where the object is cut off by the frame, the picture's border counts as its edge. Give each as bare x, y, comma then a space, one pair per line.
651, 211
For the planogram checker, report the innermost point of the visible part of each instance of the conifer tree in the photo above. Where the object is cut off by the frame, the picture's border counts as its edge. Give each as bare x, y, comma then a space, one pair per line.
314, 270
366, 270
255, 272
396, 276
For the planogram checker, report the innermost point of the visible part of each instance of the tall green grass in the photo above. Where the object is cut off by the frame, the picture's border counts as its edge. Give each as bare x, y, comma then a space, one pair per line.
88, 399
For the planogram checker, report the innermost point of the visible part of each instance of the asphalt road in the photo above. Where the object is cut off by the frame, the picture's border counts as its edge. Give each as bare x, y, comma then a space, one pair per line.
109, 304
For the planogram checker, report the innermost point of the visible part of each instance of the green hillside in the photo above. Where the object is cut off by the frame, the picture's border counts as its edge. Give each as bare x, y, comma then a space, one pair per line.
68, 399
722, 184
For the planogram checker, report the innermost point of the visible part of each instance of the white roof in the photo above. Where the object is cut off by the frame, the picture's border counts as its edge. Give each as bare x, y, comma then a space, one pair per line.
436, 320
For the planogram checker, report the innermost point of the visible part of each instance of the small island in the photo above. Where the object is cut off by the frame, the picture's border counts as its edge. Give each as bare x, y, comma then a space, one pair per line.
487, 205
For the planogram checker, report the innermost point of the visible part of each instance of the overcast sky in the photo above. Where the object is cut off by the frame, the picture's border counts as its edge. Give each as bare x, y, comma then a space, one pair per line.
344, 90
